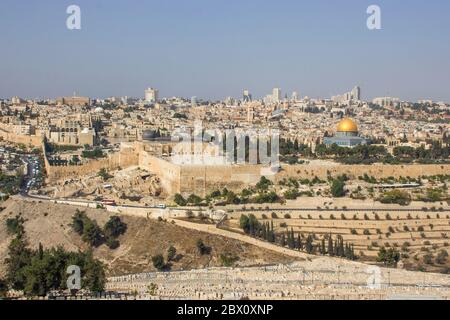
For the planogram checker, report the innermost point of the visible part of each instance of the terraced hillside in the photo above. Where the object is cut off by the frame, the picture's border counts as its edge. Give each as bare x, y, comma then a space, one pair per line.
420, 236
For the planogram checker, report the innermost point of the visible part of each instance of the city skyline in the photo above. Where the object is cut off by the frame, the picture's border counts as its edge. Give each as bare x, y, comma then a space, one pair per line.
239, 150
216, 50
151, 95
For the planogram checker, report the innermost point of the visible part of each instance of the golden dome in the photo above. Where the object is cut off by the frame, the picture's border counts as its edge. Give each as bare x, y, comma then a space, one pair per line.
347, 125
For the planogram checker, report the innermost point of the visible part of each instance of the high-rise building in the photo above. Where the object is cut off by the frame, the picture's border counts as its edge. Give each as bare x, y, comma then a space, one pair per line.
230, 101
247, 96
193, 102
386, 101
356, 93
295, 96
276, 95
151, 95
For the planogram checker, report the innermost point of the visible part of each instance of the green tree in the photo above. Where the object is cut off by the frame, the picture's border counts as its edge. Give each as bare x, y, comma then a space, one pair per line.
337, 188
179, 200
78, 222
158, 262
388, 257
264, 184
283, 240
3, 289
299, 243
38, 272
244, 223
15, 225
92, 233
291, 241
442, 257
171, 253
396, 197
19, 256
194, 199
115, 227
202, 248
309, 246
103, 173
94, 278
112, 243
330, 245
228, 259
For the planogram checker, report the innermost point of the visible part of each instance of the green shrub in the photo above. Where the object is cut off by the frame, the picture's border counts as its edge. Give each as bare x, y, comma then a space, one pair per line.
158, 262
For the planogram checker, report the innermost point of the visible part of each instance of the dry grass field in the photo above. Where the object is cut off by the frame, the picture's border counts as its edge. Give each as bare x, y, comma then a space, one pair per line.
50, 224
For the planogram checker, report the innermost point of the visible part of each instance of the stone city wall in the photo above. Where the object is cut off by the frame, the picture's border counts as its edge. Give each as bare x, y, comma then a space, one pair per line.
123, 159
201, 179
168, 173
355, 171
33, 141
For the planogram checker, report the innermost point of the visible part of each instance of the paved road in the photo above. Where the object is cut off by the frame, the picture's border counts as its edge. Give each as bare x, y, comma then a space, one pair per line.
341, 210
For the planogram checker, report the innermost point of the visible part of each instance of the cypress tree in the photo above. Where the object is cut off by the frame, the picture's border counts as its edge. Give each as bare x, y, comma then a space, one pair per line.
341, 248
252, 229
41, 251
299, 242
330, 246
293, 241
338, 248
264, 232
272, 233
309, 244
283, 240
288, 239
323, 250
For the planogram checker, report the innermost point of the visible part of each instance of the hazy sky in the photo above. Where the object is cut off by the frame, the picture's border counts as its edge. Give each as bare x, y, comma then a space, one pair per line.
216, 48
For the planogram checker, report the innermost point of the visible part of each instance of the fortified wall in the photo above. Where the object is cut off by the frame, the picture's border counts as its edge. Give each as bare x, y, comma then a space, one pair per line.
197, 179
125, 158
203, 179
200, 179
355, 171
33, 141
